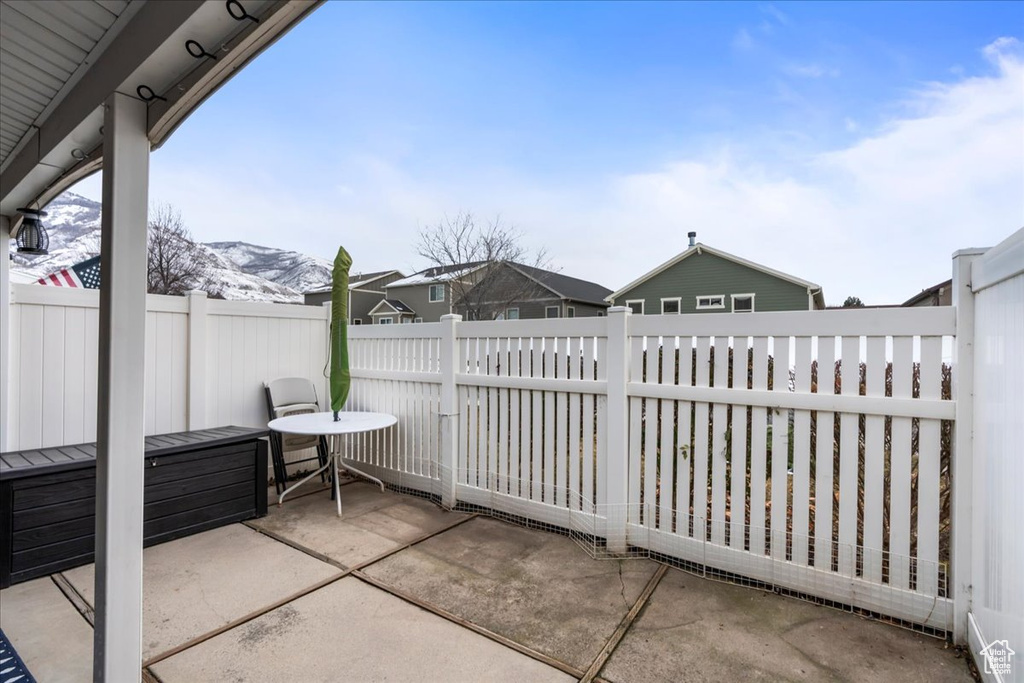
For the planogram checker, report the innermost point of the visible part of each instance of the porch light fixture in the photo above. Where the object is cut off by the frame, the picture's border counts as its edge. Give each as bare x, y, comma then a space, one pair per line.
32, 238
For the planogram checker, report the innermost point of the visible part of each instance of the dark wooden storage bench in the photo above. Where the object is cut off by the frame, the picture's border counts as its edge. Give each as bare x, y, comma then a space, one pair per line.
194, 481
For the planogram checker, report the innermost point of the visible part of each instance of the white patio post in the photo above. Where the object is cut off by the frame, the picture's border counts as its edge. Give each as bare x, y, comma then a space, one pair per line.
197, 305
120, 428
449, 415
5, 332
613, 485
963, 441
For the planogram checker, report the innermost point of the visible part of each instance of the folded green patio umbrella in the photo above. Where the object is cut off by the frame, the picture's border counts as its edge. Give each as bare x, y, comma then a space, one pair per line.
340, 379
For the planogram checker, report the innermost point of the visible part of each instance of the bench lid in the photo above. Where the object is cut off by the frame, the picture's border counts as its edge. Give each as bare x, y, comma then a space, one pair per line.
34, 461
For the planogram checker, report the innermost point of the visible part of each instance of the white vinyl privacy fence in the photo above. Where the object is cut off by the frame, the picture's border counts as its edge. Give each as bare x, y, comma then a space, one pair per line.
807, 451
989, 548
206, 361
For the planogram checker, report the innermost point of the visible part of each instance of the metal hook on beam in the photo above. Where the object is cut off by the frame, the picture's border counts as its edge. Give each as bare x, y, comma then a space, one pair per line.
197, 50
238, 13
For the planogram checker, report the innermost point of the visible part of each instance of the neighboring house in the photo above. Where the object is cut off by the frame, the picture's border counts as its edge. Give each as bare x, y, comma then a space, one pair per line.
511, 291
392, 312
706, 280
939, 295
366, 290
427, 295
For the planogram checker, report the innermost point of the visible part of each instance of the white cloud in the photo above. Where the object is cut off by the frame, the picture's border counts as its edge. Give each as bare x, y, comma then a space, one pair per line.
878, 219
775, 13
811, 71
742, 41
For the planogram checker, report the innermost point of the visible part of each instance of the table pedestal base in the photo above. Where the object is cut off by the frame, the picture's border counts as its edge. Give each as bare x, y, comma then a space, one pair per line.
334, 461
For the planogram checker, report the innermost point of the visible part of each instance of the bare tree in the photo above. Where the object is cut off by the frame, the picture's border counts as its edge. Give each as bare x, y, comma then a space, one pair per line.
176, 263
479, 264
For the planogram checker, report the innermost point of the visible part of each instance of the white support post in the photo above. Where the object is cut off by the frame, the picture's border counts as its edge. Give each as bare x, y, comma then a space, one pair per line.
615, 487
197, 306
449, 415
963, 441
120, 428
5, 332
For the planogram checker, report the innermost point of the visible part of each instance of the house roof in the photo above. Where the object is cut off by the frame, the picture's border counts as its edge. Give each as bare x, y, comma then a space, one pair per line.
564, 286
396, 306
700, 248
439, 274
357, 281
928, 293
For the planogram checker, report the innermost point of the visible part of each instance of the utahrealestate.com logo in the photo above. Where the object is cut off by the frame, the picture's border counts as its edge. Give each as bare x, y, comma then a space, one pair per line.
998, 658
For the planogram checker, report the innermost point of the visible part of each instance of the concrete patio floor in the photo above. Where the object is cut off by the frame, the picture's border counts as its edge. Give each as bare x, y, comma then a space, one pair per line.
399, 589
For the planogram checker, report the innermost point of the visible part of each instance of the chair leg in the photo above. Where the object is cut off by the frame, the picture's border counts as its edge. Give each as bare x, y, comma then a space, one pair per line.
322, 454
280, 470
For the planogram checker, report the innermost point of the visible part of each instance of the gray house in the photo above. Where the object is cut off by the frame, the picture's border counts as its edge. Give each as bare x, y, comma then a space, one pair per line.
392, 312
365, 291
706, 280
512, 291
426, 295
939, 295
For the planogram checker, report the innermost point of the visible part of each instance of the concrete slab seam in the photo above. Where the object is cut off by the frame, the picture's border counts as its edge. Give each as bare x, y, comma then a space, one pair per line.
76, 599
469, 625
295, 596
627, 621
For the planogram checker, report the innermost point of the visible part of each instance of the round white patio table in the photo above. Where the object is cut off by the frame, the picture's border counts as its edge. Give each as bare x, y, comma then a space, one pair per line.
323, 424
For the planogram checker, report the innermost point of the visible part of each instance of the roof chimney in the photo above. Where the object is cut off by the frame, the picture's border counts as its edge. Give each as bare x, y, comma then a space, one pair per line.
693, 238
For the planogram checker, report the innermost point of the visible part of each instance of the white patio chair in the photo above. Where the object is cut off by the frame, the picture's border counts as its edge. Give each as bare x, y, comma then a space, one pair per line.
292, 396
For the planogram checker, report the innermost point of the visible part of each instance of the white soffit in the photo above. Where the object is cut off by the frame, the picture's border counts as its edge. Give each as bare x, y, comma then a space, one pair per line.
141, 43
45, 47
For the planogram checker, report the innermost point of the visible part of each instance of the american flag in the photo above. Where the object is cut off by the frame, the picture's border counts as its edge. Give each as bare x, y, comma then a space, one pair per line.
85, 274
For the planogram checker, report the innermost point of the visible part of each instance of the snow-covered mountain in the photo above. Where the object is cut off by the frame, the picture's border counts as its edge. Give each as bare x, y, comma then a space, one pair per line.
289, 268
240, 270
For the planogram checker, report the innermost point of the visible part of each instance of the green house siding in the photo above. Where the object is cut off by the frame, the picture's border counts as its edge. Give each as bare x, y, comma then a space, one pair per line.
706, 274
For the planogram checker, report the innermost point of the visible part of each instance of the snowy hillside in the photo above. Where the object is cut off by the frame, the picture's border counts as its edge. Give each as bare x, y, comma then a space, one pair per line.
242, 271
288, 268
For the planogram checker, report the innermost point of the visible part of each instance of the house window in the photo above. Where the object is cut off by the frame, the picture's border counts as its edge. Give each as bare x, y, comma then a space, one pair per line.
386, 320
551, 311
436, 293
357, 321
710, 301
600, 314
512, 314
742, 303
636, 305
570, 312
670, 305
417, 320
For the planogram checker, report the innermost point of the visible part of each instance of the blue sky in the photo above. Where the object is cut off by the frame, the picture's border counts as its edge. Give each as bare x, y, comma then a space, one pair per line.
854, 145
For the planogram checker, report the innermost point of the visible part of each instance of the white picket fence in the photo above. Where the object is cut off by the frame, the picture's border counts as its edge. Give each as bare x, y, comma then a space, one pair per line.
625, 430
632, 432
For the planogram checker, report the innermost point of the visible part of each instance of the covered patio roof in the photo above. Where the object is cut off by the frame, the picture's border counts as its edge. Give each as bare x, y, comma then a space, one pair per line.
61, 60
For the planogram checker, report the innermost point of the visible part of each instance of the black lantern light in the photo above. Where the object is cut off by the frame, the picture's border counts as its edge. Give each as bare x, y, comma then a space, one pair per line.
32, 238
